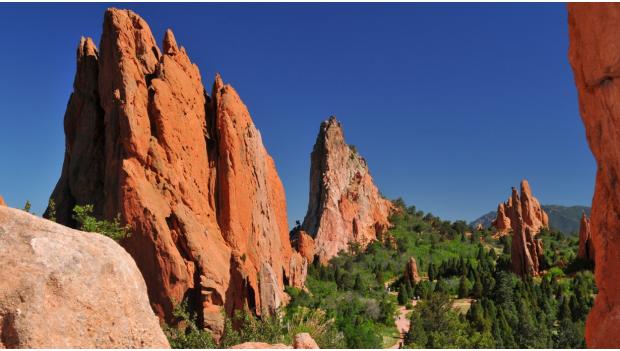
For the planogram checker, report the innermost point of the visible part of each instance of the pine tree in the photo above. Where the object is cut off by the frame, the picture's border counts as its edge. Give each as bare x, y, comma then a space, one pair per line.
477, 289
463, 287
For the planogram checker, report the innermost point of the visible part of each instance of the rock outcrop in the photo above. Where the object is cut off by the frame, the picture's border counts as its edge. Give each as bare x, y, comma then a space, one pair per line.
61, 288
586, 248
305, 245
2, 203
526, 251
304, 341
594, 30
411, 271
187, 171
534, 217
300, 341
344, 205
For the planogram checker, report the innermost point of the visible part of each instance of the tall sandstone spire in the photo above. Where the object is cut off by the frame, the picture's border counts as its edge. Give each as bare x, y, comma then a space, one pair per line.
594, 31
586, 249
344, 205
526, 251
188, 172
533, 216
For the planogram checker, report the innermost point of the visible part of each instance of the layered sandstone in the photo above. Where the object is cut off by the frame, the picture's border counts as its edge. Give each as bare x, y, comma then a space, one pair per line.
187, 171
534, 217
61, 288
586, 249
594, 30
526, 250
411, 271
344, 205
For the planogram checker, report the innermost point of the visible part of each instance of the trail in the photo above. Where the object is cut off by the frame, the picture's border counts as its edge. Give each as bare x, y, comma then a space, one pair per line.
401, 321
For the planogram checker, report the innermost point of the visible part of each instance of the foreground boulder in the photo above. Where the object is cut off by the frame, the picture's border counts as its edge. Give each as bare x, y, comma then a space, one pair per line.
594, 30
533, 216
344, 204
300, 341
186, 170
62, 288
586, 248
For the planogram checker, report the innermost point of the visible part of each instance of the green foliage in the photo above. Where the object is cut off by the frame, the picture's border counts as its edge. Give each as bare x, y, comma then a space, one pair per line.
51, 210
83, 215
27, 206
434, 324
187, 335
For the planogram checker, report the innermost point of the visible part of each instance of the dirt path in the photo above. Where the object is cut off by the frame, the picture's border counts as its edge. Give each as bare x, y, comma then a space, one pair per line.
402, 324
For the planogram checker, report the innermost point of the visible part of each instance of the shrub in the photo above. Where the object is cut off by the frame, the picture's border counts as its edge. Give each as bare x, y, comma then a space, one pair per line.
83, 215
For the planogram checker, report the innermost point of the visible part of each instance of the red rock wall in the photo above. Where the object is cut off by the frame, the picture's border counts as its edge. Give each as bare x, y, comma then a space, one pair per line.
586, 248
594, 53
188, 173
344, 204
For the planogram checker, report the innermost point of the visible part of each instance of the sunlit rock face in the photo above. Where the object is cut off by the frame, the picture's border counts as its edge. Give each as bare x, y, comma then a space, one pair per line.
534, 217
186, 170
594, 32
344, 205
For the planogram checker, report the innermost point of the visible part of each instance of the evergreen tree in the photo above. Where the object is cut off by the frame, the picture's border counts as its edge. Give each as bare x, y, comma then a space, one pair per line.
463, 287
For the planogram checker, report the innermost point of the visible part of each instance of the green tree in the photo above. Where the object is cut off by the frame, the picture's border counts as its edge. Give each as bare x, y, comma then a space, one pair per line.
463, 287
27, 206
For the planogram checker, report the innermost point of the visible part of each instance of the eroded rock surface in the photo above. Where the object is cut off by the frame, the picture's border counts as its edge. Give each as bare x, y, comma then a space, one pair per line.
594, 30
187, 171
62, 288
344, 205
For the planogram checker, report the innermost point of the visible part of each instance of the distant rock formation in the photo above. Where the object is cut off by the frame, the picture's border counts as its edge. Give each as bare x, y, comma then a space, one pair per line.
594, 30
534, 217
305, 245
586, 248
411, 271
187, 171
61, 288
344, 205
2, 203
526, 251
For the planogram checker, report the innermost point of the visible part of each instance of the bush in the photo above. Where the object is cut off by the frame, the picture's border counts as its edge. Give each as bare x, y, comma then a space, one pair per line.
83, 215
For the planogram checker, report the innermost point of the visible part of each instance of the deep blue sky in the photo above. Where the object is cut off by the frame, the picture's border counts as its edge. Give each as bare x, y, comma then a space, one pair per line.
451, 104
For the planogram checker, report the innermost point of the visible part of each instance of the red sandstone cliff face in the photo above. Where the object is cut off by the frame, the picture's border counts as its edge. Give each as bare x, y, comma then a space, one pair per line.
534, 217
305, 245
594, 30
344, 204
526, 251
586, 249
189, 174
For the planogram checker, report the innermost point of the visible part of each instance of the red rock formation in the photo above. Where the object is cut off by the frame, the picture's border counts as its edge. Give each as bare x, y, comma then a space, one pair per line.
534, 217
502, 221
189, 174
586, 249
411, 271
62, 288
305, 245
300, 341
594, 30
344, 204
526, 250
2, 203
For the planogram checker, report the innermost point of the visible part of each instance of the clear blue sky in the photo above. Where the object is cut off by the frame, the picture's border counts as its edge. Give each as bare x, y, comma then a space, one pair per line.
451, 104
